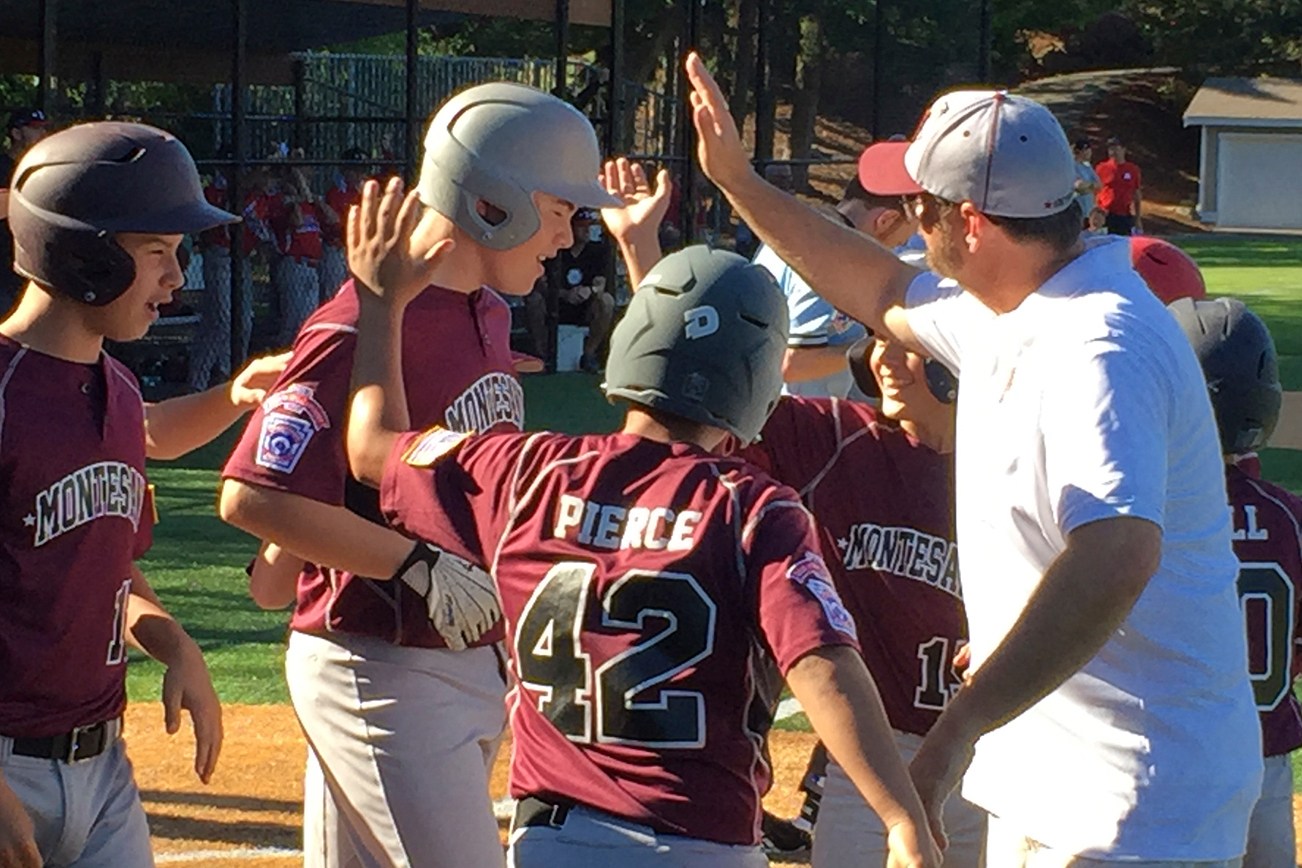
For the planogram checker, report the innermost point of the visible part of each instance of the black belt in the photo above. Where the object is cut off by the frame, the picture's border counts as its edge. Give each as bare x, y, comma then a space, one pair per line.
83, 743
533, 811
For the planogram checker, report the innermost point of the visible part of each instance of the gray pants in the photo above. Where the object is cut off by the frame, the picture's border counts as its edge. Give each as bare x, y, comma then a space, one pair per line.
298, 286
212, 346
88, 814
594, 839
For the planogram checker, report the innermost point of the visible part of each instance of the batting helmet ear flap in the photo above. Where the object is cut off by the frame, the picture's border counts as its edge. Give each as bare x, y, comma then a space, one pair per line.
942, 383
464, 185
857, 357
78, 259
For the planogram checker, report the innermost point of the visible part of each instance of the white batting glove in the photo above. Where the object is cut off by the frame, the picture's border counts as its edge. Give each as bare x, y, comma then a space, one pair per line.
461, 598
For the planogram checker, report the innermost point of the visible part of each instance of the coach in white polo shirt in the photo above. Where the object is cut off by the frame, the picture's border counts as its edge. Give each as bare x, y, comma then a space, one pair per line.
1110, 693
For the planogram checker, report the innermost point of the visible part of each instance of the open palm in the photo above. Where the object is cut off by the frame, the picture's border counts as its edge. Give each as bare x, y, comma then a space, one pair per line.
644, 205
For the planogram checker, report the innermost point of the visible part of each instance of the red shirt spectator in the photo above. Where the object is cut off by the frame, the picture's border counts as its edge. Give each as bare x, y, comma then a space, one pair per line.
1121, 181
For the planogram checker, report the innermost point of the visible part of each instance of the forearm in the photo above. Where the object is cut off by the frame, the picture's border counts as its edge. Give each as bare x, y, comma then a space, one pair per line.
1081, 601
317, 532
180, 425
149, 626
273, 576
852, 271
845, 709
641, 251
378, 414
812, 363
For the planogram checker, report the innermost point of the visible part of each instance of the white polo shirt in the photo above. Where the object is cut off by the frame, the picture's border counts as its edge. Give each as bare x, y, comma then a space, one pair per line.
1087, 403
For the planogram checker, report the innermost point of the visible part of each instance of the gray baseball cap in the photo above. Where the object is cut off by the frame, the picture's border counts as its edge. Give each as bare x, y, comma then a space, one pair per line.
1006, 154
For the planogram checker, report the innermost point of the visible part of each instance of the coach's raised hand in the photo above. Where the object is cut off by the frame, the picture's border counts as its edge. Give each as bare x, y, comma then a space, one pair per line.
383, 252
718, 146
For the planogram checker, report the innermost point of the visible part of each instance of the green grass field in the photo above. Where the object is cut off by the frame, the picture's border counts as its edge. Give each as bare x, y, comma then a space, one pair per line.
197, 561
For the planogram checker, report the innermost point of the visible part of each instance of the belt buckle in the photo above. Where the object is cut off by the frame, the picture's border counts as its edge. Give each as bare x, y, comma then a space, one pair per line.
74, 742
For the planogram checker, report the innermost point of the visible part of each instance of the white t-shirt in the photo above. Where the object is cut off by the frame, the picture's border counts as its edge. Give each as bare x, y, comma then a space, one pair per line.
1087, 403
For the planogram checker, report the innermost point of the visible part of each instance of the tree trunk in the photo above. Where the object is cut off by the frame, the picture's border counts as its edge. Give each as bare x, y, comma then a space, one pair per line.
740, 99
804, 105
644, 51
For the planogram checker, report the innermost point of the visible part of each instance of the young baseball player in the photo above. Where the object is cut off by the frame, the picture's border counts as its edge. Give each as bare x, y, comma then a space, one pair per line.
652, 589
1238, 359
890, 546
98, 212
403, 718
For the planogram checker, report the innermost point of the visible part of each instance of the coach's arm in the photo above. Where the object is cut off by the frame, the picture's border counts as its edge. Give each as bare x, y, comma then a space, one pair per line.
1081, 601
852, 271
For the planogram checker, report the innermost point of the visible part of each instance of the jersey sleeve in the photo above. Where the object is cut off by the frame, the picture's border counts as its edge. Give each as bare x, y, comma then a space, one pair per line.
449, 488
939, 314
799, 607
294, 442
1095, 467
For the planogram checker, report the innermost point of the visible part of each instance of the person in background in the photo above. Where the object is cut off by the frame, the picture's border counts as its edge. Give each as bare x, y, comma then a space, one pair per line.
1120, 196
577, 276
1087, 180
815, 364
342, 195
297, 228
26, 127
1097, 222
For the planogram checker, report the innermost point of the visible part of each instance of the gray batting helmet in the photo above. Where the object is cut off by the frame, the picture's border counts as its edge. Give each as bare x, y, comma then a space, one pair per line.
501, 142
703, 339
73, 191
1239, 362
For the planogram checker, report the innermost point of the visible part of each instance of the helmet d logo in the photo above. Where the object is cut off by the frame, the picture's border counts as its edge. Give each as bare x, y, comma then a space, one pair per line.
701, 322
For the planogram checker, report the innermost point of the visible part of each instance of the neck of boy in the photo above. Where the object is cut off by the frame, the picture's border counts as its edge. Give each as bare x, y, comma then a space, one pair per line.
53, 327
643, 424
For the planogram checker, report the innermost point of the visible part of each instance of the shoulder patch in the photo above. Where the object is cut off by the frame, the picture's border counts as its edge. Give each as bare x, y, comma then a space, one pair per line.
434, 445
298, 400
810, 571
283, 440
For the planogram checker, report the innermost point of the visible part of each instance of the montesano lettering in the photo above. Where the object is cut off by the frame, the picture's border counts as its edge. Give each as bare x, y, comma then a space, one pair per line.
491, 400
905, 552
107, 488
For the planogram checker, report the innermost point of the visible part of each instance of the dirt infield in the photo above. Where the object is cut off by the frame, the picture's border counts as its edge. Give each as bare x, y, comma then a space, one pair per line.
251, 814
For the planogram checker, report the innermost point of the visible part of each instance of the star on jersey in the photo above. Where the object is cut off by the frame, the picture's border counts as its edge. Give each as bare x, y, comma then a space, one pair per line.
29, 520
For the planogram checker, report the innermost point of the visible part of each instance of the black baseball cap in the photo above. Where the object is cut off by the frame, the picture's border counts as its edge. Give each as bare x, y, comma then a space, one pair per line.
27, 117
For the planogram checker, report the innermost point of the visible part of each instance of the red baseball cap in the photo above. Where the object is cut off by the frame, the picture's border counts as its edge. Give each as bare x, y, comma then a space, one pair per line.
882, 171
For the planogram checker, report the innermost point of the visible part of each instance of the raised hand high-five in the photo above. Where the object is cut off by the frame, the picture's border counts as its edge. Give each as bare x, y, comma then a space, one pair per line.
718, 146
381, 254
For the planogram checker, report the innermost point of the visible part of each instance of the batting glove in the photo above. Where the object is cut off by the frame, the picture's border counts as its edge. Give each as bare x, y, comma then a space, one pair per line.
460, 597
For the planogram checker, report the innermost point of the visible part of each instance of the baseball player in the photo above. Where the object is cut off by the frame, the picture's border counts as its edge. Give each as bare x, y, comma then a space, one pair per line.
1238, 358
650, 587
98, 212
890, 546
405, 727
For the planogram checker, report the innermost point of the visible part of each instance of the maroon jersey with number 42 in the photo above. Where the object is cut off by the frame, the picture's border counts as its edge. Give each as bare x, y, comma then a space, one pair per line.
75, 512
884, 504
460, 374
1267, 527
652, 592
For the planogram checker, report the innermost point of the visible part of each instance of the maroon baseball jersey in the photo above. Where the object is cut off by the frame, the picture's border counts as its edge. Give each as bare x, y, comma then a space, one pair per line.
74, 513
652, 594
459, 374
884, 504
1267, 524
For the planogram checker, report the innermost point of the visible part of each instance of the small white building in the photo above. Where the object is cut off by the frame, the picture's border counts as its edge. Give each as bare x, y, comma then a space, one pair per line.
1250, 168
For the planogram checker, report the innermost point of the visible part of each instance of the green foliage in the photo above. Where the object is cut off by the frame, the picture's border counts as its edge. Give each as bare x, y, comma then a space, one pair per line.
1221, 35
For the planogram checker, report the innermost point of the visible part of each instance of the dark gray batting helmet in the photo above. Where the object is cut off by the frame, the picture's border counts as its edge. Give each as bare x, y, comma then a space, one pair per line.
500, 143
75, 190
703, 339
1239, 362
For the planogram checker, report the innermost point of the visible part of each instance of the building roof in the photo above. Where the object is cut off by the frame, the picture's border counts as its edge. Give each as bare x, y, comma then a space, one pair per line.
1246, 102
192, 40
